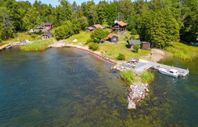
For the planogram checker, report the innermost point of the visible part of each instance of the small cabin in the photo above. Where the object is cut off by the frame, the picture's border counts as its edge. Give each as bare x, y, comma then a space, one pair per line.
132, 42
45, 27
112, 38
98, 26
90, 28
119, 25
143, 45
46, 35
48, 25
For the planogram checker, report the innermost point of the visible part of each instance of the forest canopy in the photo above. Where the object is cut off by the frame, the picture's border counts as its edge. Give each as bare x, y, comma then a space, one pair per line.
161, 22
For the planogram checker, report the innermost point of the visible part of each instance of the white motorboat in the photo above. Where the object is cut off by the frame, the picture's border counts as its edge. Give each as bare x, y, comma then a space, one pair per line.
170, 72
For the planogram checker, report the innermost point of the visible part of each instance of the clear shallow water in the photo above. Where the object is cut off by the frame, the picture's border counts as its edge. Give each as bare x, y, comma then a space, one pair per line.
70, 88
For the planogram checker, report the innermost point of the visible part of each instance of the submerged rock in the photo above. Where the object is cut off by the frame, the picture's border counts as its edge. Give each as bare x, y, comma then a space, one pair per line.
137, 93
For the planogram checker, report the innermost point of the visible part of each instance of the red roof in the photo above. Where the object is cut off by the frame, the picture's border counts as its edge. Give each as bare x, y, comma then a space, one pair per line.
110, 35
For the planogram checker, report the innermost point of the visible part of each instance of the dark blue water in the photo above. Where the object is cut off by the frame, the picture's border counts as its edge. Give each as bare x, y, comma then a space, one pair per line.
70, 88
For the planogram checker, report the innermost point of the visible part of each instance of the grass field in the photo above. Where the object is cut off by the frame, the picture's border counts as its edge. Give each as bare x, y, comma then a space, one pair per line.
183, 51
113, 50
23, 36
123, 36
82, 38
39, 45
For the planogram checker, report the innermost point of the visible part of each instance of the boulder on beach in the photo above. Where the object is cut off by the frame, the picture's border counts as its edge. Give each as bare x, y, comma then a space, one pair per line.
75, 40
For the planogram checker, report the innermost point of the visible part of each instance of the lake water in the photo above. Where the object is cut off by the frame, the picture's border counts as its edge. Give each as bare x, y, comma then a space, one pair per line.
70, 88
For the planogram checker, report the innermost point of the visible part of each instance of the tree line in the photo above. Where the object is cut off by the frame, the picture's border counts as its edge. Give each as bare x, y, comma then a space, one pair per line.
161, 22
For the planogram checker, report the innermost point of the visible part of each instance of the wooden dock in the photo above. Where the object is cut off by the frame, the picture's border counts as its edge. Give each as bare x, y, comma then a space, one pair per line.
182, 72
144, 65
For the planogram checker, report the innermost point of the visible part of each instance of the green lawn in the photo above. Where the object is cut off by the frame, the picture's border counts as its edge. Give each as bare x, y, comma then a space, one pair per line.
23, 36
113, 50
123, 36
82, 37
110, 49
131, 77
39, 45
183, 51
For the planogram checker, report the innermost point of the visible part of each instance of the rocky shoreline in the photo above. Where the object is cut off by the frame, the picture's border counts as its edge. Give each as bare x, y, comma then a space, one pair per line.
138, 91
60, 44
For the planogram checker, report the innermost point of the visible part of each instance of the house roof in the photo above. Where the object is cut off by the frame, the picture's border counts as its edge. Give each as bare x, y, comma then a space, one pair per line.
49, 34
90, 28
111, 35
98, 26
131, 42
121, 23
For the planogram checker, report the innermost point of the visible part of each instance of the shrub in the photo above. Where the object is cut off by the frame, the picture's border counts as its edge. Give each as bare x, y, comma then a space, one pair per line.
76, 26
0, 41
64, 31
98, 35
147, 77
93, 46
136, 47
121, 56
83, 22
34, 36
89, 41
128, 76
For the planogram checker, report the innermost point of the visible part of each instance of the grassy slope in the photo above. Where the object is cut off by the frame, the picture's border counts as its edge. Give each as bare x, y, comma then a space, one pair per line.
113, 50
22, 36
82, 37
39, 45
110, 49
183, 51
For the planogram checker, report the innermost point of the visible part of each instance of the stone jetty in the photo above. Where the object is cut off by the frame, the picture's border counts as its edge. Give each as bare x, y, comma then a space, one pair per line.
137, 92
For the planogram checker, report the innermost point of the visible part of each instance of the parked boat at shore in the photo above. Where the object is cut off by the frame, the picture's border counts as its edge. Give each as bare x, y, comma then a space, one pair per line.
169, 72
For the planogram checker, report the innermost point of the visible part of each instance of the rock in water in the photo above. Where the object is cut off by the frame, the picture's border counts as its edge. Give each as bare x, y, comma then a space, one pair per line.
138, 92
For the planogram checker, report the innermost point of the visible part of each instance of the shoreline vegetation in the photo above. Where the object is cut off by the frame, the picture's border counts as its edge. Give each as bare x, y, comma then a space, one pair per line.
131, 77
39, 45
182, 51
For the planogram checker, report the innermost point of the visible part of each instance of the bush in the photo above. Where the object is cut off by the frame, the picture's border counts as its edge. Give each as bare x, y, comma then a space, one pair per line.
64, 31
93, 46
76, 26
147, 77
128, 76
136, 47
89, 41
34, 36
0, 41
83, 22
121, 56
98, 35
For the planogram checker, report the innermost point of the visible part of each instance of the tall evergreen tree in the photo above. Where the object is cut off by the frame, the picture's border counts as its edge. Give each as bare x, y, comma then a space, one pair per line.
160, 28
6, 24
